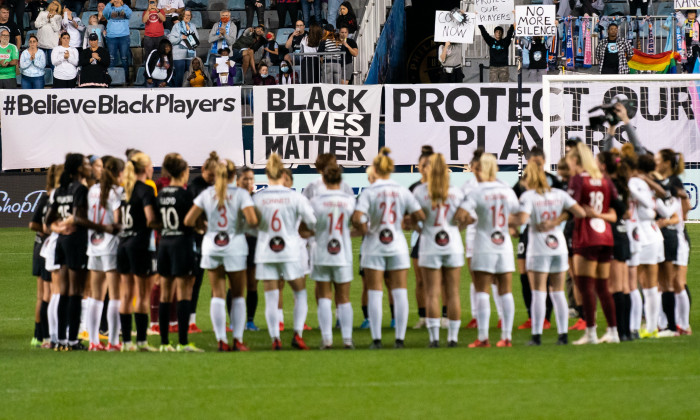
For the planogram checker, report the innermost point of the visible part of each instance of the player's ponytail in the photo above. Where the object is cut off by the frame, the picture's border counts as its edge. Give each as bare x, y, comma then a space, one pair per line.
212, 161
438, 179
274, 167
110, 178
174, 165
675, 160
71, 168
324, 160
51, 178
584, 157
488, 167
383, 164
535, 178
136, 165
332, 174
225, 173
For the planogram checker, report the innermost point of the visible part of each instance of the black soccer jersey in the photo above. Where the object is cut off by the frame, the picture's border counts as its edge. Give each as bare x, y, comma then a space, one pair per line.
133, 214
39, 215
67, 199
174, 203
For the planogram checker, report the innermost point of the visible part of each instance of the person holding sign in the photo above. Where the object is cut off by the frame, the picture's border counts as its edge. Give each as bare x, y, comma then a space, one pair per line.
450, 57
691, 30
613, 53
498, 52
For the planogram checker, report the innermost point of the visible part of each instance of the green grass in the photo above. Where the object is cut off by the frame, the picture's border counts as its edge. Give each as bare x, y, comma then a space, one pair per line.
642, 379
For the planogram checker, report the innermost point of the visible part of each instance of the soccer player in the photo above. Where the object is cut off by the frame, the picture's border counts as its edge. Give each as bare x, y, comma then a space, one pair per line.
441, 248
224, 249
378, 215
245, 179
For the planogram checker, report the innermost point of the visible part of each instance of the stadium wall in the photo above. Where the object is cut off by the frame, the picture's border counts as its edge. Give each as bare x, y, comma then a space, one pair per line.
389, 56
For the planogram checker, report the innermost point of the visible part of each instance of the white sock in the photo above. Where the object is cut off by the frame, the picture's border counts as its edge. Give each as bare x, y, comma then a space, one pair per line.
663, 321
96, 315
345, 316
453, 330
325, 320
472, 299
508, 305
238, 317
651, 308
537, 309
53, 317
561, 311
217, 311
193, 318
113, 322
683, 310
497, 301
433, 325
280, 315
301, 309
83, 314
272, 298
374, 310
86, 314
635, 310
483, 313
400, 312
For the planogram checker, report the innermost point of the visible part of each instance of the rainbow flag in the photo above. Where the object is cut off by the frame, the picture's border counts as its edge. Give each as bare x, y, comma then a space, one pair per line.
661, 63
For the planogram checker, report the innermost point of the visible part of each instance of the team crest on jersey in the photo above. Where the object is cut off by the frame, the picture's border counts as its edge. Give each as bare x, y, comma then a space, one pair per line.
277, 244
497, 238
386, 236
333, 246
635, 234
552, 241
221, 239
597, 225
442, 238
97, 238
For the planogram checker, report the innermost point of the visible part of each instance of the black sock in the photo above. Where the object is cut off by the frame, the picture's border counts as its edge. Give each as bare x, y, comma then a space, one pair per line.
199, 274
444, 311
251, 304
579, 310
44, 317
62, 317
183, 319
141, 327
548, 308
229, 302
690, 300
125, 320
668, 303
421, 312
618, 298
103, 320
364, 311
391, 309
626, 315
37, 330
164, 322
527, 293
74, 309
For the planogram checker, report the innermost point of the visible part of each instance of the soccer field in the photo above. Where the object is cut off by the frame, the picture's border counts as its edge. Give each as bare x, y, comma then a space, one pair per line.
642, 379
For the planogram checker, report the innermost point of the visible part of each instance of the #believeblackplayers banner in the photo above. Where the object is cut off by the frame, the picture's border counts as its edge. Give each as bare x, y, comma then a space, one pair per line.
40, 126
299, 122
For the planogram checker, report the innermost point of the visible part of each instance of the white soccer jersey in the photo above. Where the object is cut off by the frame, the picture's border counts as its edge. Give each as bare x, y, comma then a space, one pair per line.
333, 210
280, 209
439, 236
102, 243
641, 227
385, 203
491, 203
470, 234
225, 224
317, 187
543, 207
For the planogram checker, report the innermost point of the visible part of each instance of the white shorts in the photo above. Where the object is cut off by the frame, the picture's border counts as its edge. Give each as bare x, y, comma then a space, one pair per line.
547, 263
386, 263
634, 259
288, 271
469, 242
304, 259
231, 263
102, 263
48, 251
652, 253
326, 273
683, 253
494, 263
437, 261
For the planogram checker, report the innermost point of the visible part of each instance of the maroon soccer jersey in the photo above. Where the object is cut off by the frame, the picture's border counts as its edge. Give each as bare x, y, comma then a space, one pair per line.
598, 194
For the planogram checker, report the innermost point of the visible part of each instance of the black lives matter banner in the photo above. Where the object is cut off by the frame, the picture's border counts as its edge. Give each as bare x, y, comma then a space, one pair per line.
302, 121
40, 126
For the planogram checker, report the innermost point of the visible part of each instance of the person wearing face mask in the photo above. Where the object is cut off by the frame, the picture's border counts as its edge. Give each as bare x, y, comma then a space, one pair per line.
287, 76
263, 77
222, 35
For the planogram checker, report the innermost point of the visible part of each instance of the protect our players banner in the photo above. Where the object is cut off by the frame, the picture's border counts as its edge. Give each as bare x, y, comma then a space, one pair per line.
299, 122
494, 12
40, 126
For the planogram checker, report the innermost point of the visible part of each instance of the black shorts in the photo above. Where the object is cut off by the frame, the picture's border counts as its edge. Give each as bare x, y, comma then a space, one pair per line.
175, 256
621, 250
71, 251
252, 243
670, 244
601, 254
415, 250
362, 270
134, 257
39, 264
522, 244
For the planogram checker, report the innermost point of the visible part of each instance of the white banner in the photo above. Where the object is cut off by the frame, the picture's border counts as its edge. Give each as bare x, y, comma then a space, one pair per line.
686, 4
494, 12
299, 122
535, 20
447, 29
40, 126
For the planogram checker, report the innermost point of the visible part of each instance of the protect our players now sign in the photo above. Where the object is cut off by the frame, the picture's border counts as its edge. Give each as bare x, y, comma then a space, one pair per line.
447, 29
535, 20
494, 12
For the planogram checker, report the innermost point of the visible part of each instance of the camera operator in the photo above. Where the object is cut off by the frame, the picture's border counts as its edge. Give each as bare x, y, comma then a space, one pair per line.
620, 111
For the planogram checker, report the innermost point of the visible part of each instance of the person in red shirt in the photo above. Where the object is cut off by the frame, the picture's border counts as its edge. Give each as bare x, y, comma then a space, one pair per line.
153, 18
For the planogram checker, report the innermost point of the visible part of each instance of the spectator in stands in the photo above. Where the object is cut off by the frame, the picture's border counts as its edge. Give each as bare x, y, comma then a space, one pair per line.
94, 62
9, 57
536, 50
36, 7
498, 51
73, 25
263, 77
153, 19
48, 26
243, 50
65, 60
117, 15
306, 6
159, 65
94, 27
691, 30
563, 7
19, 7
184, 39
32, 63
311, 65
287, 76
642, 5
12, 27
226, 75
450, 58
101, 19
271, 51
330, 43
293, 44
196, 76
613, 53
349, 47
251, 7
171, 8
333, 9
75, 5
284, 6
346, 17
222, 35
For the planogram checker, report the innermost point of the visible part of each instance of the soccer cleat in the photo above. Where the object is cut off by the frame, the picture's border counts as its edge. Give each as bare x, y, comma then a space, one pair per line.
97, 347
526, 325
504, 343
667, 333
547, 325
451, 344
376, 345
298, 342
634, 335
563, 339
500, 323
399, 344
193, 329
166, 348
113, 347
326, 347
153, 330
103, 335
281, 326
643, 333
47, 345
229, 329
250, 326
579, 325
129, 347
536, 340
239, 346
188, 348
307, 328
472, 324
54, 345
174, 328
35, 344
76, 347
223, 346
83, 335
365, 324
478, 343
420, 324
610, 336
433, 344
392, 324
277, 344
349, 345
589, 337
682, 331
444, 323
146, 348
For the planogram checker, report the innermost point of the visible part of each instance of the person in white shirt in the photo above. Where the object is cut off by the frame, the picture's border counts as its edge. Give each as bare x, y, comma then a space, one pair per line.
65, 61
224, 249
74, 26
547, 253
171, 8
441, 250
378, 215
490, 206
277, 255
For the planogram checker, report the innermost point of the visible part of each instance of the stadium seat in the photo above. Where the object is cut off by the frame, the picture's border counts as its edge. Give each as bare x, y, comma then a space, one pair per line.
48, 77
92, 5
166, 32
85, 17
135, 21
141, 5
197, 18
26, 20
134, 38
283, 35
238, 78
274, 71
236, 4
26, 38
664, 9
118, 77
240, 33
611, 8
140, 76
